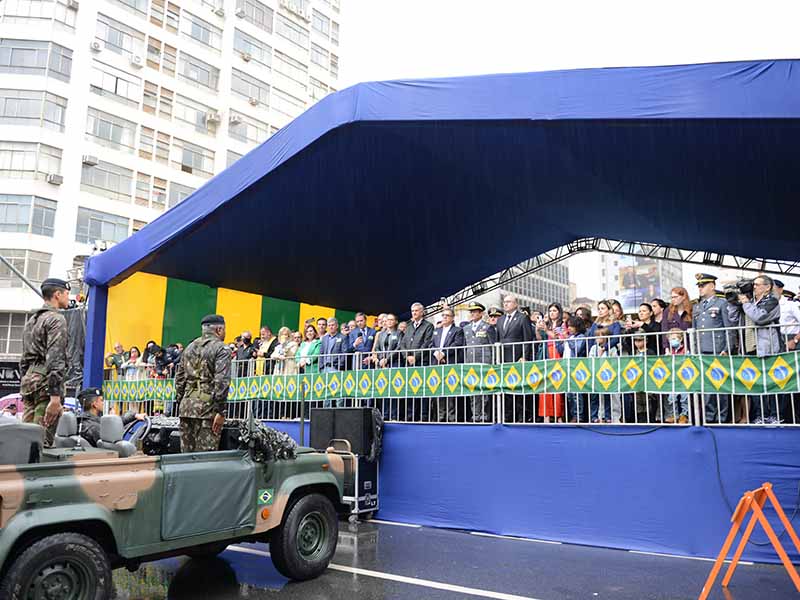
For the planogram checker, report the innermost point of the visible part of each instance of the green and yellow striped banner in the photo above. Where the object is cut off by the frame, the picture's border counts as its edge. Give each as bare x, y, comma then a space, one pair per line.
656, 374
148, 307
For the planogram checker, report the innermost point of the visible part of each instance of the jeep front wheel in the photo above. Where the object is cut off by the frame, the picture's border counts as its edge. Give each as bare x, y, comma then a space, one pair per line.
64, 566
303, 546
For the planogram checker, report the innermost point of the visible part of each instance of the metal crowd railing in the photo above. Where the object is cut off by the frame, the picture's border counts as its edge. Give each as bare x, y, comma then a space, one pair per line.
713, 377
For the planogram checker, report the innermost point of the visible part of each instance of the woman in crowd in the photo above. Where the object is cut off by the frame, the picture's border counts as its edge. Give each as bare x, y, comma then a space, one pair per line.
134, 367
308, 352
645, 324
284, 354
574, 346
585, 314
605, 319
678, 315
550, 330
658, 309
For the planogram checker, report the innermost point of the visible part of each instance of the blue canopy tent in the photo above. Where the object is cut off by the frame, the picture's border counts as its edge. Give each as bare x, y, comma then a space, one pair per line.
391, 192
396, 191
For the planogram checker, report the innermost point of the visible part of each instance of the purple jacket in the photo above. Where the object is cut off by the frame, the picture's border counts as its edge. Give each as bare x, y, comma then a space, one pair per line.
672, 321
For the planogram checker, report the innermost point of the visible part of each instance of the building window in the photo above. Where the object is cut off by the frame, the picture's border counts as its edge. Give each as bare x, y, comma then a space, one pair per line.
162, 147
11, 327
287, 68
334, 66
28, 160
318, 89
202, 31
146, 141
247, 86
293, 32
249, 46
191, 158
161, 56
27, 214
143, 189
247, 129
153, 98
26, 107
334, 33
35, 58
178, 193
118, 37
157, 12
138, 7
286, 104
232, 158
106, 179
319, 56
115, 84
257, 13
37, 11
320, 23
199, 72
159, 197
195, 114
137, 226
109, 130
34, 265
95, 225
173, 17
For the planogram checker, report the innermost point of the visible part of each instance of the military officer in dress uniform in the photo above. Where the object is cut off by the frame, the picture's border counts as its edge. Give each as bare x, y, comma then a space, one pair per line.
711, 312
201, 387
44, 359
479, 338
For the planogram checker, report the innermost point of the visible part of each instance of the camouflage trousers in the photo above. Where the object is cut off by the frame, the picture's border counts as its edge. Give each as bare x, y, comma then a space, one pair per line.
197, 436
35, 406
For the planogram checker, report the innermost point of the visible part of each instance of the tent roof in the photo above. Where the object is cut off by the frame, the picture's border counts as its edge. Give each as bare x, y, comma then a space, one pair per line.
395, 191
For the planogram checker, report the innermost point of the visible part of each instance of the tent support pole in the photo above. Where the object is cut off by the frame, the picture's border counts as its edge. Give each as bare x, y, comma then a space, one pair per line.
95, 336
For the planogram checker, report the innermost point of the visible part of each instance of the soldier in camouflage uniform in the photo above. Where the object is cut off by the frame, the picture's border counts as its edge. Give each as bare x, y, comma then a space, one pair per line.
43, 366
201, 387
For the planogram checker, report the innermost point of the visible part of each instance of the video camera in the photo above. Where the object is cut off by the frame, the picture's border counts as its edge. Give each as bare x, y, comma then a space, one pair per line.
742, 286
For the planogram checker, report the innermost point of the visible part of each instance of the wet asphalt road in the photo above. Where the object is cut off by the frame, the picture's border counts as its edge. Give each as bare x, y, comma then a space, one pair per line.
381, 561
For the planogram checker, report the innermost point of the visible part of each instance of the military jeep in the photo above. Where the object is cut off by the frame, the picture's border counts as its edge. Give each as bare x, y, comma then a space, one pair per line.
71, 514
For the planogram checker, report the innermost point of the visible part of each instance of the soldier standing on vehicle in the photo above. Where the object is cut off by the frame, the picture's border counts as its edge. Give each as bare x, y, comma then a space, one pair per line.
201, 387
44, 359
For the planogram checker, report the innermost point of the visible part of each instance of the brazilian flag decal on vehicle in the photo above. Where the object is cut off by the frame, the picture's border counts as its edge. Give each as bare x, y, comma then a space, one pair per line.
266, 496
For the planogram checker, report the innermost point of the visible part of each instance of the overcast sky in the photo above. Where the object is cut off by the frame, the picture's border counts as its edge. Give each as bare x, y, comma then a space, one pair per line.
383, 39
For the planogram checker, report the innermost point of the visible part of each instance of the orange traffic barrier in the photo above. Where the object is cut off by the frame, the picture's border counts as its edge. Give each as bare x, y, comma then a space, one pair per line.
753, 502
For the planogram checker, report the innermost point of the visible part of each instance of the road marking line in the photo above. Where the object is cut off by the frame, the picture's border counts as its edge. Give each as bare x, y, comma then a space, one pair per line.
392, 523
403, 579
511, 537
741, 562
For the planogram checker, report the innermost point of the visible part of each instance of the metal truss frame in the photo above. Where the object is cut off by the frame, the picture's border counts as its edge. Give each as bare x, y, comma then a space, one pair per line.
598, 244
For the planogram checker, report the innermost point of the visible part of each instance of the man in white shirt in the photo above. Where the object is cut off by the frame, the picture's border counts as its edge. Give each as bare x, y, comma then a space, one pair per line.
790, 315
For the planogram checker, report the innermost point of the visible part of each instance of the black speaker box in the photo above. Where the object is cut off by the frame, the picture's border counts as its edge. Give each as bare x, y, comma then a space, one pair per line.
352, 424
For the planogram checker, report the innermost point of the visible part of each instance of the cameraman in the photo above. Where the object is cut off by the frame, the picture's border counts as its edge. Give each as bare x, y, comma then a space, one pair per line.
759, 318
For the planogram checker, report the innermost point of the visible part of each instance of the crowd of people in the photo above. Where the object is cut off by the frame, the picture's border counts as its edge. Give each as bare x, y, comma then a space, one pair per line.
765, 322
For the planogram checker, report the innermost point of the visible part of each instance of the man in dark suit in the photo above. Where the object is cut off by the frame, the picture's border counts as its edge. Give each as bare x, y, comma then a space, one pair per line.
361, 341
448, 343
417, 342
515, 333
332, 353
